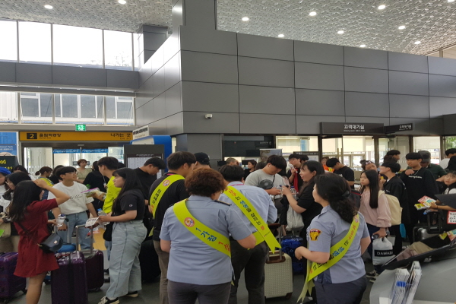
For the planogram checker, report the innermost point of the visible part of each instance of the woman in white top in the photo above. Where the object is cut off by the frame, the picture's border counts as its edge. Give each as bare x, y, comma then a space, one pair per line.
82, 170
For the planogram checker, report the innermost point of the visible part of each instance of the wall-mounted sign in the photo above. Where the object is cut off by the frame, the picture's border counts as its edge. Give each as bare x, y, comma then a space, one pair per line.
141, 132
351, 128
8, 162
398, 128
74, 136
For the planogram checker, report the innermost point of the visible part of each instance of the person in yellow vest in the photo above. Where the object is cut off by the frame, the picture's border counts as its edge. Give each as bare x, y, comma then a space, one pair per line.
165, 192
44, 174
245, 197
196, 233
336, 240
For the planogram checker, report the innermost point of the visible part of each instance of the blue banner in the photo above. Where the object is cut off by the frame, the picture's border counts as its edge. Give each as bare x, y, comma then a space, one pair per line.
95, 151
64, 151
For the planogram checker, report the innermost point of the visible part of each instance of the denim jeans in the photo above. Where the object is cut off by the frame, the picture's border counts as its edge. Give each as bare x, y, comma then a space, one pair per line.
74, 220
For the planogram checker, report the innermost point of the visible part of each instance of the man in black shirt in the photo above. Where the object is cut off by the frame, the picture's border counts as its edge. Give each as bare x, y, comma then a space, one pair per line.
296, 160
147, 174
342, 170
419, 182
170, 190
394, 186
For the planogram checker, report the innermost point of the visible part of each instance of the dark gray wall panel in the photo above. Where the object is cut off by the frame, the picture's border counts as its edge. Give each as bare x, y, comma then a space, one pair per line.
267, 124
33, 73
171, 46
175, 124
152, 41
146, 90
159, 108
409, 106
212, 144
144, 114
158, 82
173, 100
145, 72
140, 101
318, 53
408, 83
194, 122
449, 124
122, 79
76, 76
158, 127
317, 102
7, 71
365, 58
157, 60
436, 126
265, 47
266, 72
408, 62
208, 41
308, 125
366, 119
147, 54
442, 106
200, 13
420, 125
254, 99
319, 76
442, 66
366, 104
442, 85
172, 71
207, 67
210, 97
366, 80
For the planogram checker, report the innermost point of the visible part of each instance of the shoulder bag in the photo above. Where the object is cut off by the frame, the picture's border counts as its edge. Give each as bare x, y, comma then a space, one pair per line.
51, 244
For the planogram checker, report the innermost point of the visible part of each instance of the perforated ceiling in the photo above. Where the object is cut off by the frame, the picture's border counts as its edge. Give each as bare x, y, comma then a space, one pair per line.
433, 22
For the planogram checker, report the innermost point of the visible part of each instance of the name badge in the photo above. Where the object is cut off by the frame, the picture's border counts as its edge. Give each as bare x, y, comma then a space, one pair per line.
451, 217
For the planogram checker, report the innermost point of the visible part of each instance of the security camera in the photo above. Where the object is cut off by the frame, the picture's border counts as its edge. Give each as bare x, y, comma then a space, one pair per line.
208, 116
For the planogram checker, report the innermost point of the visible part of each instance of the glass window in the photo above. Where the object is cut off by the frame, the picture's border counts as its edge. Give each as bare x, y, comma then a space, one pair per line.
110, 107
30, 107
34, 42
8, 110
85, 109
119, 110
118, 50
88, 106
8, 40
36, 108
124, 109
77, 46
46, 105
428, 143
69, 106
290, 144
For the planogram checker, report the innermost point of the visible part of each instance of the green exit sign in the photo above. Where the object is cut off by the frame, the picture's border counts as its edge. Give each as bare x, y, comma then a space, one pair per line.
80, 128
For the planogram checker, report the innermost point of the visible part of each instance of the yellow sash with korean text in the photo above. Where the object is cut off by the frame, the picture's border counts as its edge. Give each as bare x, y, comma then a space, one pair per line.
160, 190
263, 233
207, 235
337, 252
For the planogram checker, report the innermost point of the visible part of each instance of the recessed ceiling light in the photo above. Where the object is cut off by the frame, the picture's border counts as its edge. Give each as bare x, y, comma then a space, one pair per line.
381, 7
281, 35
402, 27
450, 1
417, 42
312, 14
245, 19
340, 32
122, 1
47, 6
362, 46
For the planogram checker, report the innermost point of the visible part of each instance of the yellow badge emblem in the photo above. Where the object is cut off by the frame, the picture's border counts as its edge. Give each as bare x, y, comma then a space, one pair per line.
314, 233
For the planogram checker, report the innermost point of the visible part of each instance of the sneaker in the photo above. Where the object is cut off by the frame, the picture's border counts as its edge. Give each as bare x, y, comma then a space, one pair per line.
372, 274
105, 300
133, 294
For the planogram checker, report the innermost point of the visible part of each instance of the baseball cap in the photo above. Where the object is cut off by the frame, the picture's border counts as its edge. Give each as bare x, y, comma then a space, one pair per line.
4, 171
202, 158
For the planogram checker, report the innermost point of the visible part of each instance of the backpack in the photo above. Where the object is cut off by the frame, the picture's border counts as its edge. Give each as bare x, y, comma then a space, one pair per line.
395, 208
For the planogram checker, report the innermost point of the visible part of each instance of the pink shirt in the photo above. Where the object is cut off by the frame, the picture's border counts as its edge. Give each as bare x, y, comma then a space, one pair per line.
380, 217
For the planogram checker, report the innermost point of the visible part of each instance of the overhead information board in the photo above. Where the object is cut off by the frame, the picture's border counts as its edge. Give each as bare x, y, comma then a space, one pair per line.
74, 136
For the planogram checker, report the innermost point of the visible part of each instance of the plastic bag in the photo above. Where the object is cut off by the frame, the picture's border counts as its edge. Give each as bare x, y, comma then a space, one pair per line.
294, 220
382, 251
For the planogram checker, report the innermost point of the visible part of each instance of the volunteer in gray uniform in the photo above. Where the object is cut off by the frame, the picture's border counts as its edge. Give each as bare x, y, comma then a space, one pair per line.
269, 179
345, 281
252, 261
198, 268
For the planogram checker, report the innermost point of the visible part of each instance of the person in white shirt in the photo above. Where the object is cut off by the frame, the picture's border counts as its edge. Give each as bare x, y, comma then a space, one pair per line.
75, 208
449, 154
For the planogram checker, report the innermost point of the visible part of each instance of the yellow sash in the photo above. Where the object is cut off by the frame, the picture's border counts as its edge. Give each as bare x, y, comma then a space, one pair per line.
207, 235
263, 233
337, 252
48, 181
160, 190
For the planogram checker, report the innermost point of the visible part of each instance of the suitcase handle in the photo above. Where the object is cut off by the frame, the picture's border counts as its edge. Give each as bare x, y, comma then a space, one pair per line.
91, 237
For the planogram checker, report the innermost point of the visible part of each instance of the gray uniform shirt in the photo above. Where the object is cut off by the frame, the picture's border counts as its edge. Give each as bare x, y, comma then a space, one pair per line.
328, 228
192, 261
259, 199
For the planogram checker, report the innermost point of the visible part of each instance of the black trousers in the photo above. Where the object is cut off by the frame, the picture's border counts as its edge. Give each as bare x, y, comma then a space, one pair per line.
343, 293
183, 293
252, 262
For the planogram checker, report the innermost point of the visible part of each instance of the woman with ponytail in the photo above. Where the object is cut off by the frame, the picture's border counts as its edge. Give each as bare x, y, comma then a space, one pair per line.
336, 240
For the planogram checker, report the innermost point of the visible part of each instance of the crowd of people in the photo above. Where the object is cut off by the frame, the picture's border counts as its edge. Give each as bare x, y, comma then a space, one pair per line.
209, 226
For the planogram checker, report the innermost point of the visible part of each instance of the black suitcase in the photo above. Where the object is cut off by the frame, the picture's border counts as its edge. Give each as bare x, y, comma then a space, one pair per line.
148, 258
430, 229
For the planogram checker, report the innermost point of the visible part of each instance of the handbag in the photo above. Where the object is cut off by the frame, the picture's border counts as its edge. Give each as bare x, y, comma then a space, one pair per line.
51, 244
5, 226
294, 220
107, 235
395, 208
382, 251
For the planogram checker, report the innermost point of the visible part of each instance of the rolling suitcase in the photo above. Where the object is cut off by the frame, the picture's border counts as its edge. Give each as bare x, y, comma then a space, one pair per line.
278, 274
69, 284
148, 258
94, 264
429, 229
9, 283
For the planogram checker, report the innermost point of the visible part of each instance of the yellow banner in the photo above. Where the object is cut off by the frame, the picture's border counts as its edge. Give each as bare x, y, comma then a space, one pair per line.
263, 233
74, 136
207, 235
160, 190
